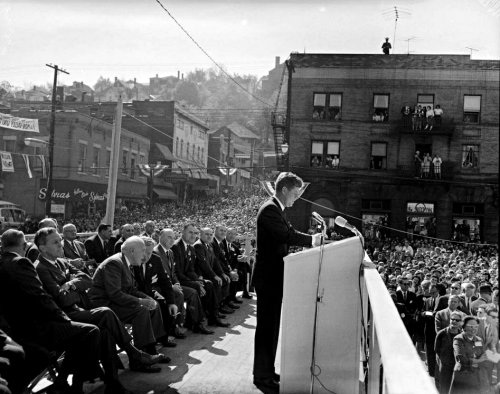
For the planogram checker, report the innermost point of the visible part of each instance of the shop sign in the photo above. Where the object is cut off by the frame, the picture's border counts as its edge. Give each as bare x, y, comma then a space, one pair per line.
77, 194
175, 177
57, 208
420, 208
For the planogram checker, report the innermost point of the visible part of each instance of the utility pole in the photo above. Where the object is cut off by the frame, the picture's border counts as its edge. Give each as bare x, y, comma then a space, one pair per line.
288, 123
151, 177
227, 158
50, 174
113, 169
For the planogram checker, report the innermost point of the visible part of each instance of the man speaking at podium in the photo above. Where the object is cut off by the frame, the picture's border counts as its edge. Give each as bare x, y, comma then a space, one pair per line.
274, 235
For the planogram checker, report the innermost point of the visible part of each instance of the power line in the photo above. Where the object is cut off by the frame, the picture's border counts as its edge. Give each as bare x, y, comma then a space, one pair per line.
217, 64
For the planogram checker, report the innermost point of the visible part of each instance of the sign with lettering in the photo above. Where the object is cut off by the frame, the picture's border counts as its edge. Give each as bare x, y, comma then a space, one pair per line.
57, 208
76, 191
175, 177
420, 207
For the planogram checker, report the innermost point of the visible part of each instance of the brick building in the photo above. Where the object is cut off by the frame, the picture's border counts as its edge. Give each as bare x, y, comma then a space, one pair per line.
82, 154
348, 137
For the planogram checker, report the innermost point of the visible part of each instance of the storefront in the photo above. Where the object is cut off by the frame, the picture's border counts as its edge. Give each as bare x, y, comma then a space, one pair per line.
376, 216
420, 219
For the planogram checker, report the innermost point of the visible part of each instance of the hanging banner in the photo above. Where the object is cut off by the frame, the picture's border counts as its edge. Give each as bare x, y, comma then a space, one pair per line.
27, 162
11, 122
7, 163
44, 167
157, 168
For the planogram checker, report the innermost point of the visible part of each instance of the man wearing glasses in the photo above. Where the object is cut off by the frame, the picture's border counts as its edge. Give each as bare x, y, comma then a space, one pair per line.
468, 296
409, 300
442, 319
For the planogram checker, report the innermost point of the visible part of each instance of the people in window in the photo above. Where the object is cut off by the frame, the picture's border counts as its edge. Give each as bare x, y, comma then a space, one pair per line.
417, 118
470, 159
418, 165
426, 165
315, 114
438, 112
437, 166
315, 162
406, 112
430, 118
335, 162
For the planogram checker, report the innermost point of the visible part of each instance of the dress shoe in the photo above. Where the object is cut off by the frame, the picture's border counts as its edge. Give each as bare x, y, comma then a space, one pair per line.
268, 383
147, 359
218, 323
248, 296
166, 360
231, 305
144, 368
225, 309
167, 343
236, 300
221, 316
201, 329
178, 334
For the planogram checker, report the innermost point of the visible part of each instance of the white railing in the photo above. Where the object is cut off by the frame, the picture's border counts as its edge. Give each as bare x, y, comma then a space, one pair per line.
389, 344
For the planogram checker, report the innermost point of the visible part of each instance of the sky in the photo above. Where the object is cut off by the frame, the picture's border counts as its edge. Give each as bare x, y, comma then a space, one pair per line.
138, 39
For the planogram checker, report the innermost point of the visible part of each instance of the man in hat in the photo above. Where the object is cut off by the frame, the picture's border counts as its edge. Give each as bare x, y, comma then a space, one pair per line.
386, 46
484, 298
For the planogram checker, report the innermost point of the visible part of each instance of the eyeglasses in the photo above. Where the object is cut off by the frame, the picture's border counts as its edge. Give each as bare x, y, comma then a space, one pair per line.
473, 327
454, 319
455, 288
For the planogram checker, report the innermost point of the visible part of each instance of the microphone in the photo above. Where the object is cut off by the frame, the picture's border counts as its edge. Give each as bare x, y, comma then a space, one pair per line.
318, 217
340, 221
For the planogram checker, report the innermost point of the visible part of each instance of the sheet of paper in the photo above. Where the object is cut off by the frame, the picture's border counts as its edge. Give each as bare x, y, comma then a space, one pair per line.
495, 357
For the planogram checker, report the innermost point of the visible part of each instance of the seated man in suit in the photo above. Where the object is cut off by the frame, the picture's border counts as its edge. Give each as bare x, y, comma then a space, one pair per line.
98, 246
32, 251
207, 266
34, 317
126, 231
75, 252
442, 318
181, 293
67, 285
152, 280
184, 257
114, 286
241, 263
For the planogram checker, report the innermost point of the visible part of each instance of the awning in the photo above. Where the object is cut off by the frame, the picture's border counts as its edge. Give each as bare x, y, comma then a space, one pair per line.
166, 152
165, 194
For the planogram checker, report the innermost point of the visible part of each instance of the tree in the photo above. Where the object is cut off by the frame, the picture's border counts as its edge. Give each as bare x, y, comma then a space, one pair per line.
102, 83
188, 92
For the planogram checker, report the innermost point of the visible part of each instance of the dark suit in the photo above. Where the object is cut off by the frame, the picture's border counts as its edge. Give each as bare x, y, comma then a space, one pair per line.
430, 334
77, 306
475, 305
274, 235
184, 269
96, 250
442, 303
118, 245
208, 267
35, 317
463, 300
242, 266
114, 287
161, 290
442, 319
187, 294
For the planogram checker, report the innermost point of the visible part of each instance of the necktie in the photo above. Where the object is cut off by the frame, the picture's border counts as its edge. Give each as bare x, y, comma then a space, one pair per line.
404, 296
467, 303
132, 275
105, 248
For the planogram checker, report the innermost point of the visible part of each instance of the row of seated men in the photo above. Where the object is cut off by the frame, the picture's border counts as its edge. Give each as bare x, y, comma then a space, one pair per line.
60, 307
426, 315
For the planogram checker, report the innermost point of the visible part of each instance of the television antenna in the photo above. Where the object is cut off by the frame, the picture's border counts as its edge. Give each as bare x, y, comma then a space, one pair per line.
408, 39
472, 49
396, 13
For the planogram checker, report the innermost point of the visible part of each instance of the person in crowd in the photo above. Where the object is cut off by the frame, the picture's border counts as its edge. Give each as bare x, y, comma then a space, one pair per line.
438, 112
455, 289
239, 260
152, 280
406, 116
437, 166
98, 246
409, 300
149, 229
426, 165
484, 298
32, 251
274, 236
181, 293
468, 297
184, 257
429, 115
428, 316
470, 372
75, 252
418, 165
442, 318
386, 46
445, 357
35, 317
114, 286
416, 122
137, 229
68, 286
126, 231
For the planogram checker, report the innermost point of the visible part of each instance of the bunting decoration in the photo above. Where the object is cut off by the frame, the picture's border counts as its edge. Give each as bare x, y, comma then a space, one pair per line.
27, 162
44, 167
269, 187
157, 169
7, 163
224, 171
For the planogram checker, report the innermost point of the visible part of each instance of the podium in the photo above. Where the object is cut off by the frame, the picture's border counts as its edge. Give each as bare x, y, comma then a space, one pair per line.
338, 329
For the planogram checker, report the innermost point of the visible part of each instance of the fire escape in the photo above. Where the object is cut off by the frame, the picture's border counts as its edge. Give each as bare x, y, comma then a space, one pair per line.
278, 122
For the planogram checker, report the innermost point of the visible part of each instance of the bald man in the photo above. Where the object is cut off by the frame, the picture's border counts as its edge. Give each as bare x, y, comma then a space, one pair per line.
75, 252
32, 251
149, 228
115, 287
126, 231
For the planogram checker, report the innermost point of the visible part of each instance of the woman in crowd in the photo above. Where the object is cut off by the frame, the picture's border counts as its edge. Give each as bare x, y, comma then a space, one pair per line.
430, 118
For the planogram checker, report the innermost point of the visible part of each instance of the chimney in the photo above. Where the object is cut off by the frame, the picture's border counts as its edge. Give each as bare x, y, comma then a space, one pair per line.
182, 76
82, 84
134, 81
277, 62
156, 75
178, 75
116, 79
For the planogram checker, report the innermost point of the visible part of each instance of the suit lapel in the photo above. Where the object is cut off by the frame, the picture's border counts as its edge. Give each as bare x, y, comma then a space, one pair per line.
52, 268
281, 211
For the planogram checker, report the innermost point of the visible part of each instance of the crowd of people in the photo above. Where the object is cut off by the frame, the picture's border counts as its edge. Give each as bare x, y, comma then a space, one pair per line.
447, 296
59, 294
421, 117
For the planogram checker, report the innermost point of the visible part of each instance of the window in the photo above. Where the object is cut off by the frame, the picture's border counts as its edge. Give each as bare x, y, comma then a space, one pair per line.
124, 162
420, 219
190, 130
108, 160
198, 153
325, 154
467, 222
132, 165
425, 100
9, 144
182, 148
470, 156
202, 154
95, 160
187, 150
192, 156
327, 106
142, 160
82, 155
177, 146
379, 156
472, 108
380, 108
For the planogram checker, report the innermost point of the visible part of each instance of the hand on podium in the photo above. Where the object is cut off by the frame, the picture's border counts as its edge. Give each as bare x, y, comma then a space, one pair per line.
316, 241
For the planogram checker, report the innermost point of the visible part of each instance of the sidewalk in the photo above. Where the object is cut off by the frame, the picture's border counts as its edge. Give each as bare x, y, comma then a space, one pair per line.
219, 363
